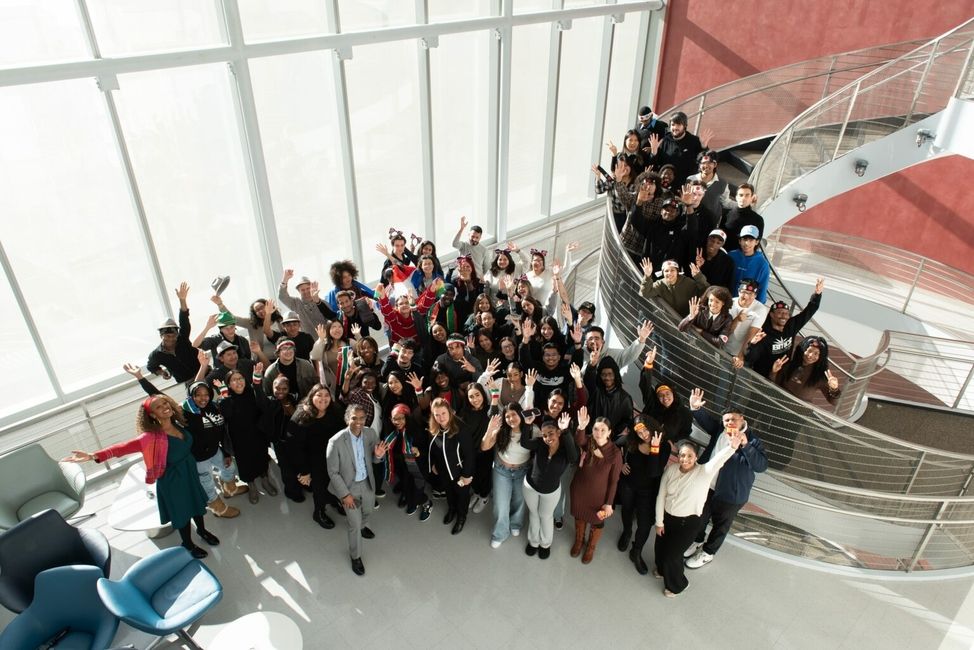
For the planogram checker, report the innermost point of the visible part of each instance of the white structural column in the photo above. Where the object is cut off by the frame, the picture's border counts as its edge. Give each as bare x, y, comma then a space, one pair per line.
602, 93
551, 108
423, 47
260, 187
340, 55
494, 53
107, 84
504, 37
648, 58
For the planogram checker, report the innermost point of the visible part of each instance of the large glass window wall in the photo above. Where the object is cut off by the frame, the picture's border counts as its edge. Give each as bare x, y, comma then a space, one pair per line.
149, 144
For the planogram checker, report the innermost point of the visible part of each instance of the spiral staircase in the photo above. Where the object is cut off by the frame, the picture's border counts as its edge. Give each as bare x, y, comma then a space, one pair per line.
838, 493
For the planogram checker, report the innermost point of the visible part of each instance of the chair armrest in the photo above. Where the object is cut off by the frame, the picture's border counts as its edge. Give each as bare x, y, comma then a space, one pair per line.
150, 573
125, 601
76, 479
98, 547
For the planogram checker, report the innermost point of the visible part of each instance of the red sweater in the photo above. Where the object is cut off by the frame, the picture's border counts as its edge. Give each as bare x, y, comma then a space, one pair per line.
154, 446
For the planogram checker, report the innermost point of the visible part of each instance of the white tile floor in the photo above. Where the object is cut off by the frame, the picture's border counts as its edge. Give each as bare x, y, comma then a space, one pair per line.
424, 588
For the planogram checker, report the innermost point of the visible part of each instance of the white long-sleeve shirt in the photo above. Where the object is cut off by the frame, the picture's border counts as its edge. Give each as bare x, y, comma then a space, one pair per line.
684, 494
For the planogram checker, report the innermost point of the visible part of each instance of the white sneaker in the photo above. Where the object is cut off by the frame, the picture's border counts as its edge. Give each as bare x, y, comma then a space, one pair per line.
699, 560
473, 500
495, 544
480, 505
690, 552
516, 533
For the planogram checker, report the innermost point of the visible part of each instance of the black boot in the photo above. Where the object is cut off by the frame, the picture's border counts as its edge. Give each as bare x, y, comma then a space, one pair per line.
624, 539
457, 527
449, 516
636, 555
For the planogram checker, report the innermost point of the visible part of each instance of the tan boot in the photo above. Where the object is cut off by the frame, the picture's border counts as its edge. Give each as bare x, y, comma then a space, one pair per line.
593, 541
220, 509
231, 489
579, 537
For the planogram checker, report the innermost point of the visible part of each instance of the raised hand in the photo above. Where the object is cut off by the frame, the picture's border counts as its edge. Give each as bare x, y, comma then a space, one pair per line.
415, 381
594, 356
694, 270
646, 191
288, 274
315, 291
654, 143
696, 399
577, 333
381, 449
614, 150
647, 266
706, 135
182, 291
700, 259
270, 307
575, 372
380, 290
528, 329
694, 307
530, 377
833, 380
216, 300
321, 332
757, 338
492, 367
566, 312
382, 249
656, 439
819, 285
686, 194
466, 365
494, 425
463, 222
583, 418
211, 321
644, 330
650, 357
133, 370
255, 347
778, 365
572, 247
259, 368
356, 330
564, 421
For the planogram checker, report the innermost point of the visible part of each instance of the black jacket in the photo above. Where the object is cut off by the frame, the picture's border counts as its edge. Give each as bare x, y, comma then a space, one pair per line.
676, 419
182, 362
682, 154
735, 219
615, 404
761, 357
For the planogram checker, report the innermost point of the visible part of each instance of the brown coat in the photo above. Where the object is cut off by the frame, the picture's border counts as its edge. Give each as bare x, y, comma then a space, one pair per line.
595, 482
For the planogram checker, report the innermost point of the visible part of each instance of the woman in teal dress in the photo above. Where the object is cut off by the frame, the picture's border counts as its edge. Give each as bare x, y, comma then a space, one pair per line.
165, 444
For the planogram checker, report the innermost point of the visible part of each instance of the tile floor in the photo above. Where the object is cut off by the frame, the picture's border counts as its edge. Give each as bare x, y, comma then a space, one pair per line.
424, 588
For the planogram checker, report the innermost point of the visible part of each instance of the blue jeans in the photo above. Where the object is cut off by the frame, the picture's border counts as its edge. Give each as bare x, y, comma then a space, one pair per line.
204, 469
508, 498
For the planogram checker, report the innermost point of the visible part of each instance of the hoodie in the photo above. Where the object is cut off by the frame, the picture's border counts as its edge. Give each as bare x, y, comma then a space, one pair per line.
615, 403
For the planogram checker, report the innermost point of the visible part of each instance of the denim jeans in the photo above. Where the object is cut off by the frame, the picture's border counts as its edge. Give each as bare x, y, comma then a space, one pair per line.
204, 469
508, 501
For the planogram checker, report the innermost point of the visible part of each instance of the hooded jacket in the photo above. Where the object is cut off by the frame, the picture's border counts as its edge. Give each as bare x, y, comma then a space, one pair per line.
615, 403
676, 418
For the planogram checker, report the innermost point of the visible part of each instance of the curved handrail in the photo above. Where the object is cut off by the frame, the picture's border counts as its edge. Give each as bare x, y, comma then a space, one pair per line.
926, 62
797, 86
905, 494
617, 252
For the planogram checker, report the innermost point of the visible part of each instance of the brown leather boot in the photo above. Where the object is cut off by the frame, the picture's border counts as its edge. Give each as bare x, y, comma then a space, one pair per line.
593, 541
579, 538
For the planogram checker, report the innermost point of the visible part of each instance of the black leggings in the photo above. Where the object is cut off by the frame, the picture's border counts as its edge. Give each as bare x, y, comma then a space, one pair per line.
641, 505
184, 532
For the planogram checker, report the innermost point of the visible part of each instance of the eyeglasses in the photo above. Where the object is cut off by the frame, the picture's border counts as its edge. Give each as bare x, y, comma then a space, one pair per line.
169, 330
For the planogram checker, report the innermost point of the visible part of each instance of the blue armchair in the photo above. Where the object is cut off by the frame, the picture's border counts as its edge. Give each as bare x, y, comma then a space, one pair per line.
31, 482
66, 609
163, 593
42, 542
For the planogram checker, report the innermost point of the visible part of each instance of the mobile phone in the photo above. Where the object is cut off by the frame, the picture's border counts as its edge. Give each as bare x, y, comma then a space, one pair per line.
531, 413
604, 173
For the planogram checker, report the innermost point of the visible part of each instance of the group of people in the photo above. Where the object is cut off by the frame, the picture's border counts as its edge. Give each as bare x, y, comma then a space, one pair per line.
497, 390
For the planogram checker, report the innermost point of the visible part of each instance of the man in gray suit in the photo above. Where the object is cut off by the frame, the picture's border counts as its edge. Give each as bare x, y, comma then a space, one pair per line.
349, 457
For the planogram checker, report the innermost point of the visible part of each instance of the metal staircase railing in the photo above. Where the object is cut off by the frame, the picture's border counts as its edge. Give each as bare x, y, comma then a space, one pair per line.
859, 497
886, 99
760, 105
